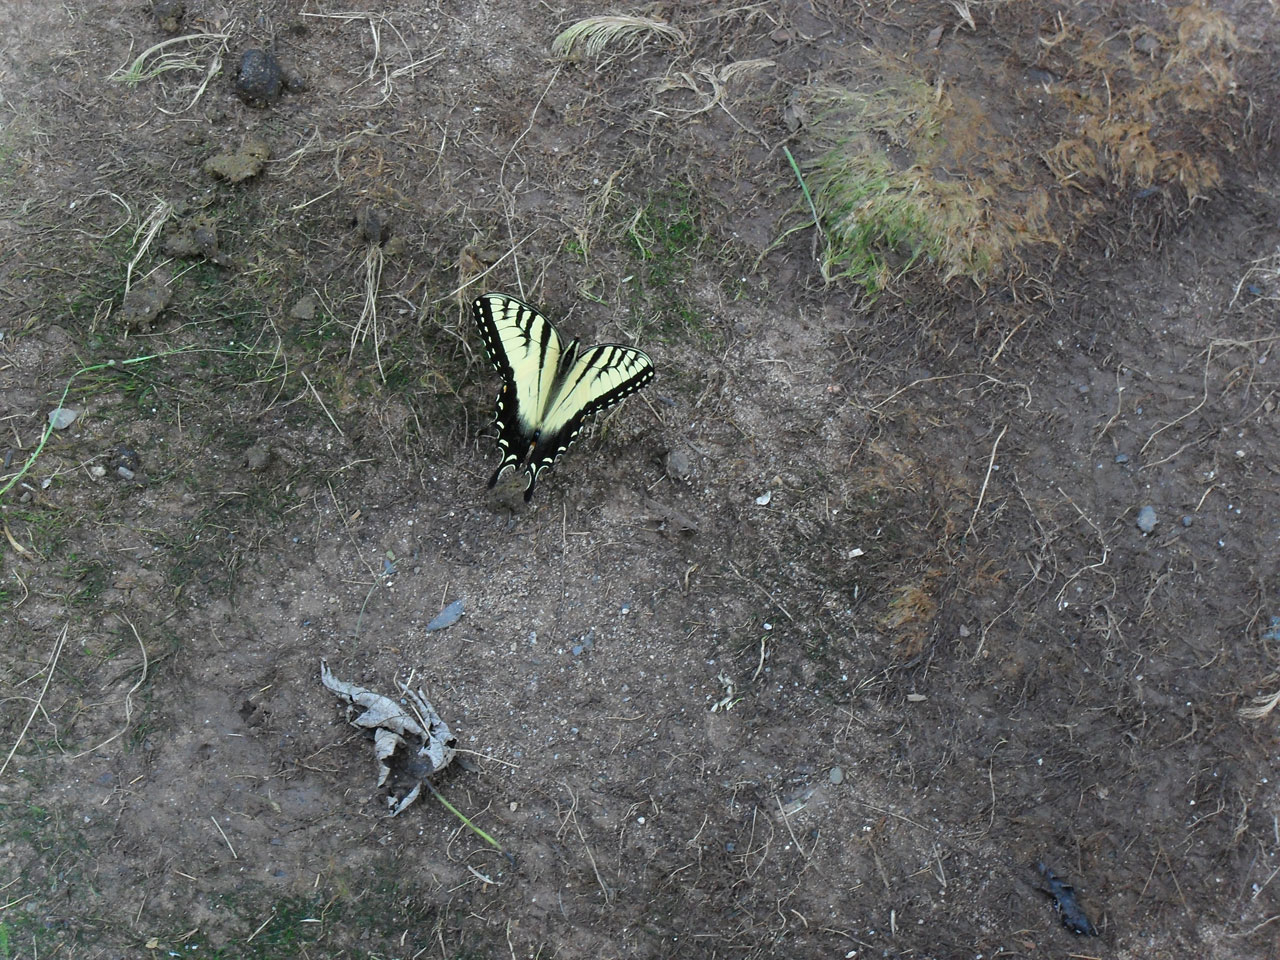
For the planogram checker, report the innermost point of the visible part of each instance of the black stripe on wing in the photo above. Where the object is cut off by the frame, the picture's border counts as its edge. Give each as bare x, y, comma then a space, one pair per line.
601, 377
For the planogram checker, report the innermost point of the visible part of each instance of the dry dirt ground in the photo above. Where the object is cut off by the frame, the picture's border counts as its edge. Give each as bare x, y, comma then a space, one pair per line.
814, 649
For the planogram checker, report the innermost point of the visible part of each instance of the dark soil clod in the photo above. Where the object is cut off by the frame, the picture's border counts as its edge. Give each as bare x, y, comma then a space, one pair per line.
240, 165
261, 79
169, 14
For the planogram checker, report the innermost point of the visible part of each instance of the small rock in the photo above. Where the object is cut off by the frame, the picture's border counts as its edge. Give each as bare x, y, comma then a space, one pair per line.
1147, 519
964, 631
1186, 520
126, 457
257, 457
260, 80
304, 309
124, 473
679, 467
836, 775
293, 79
1122, 458
142, 305
62, 417
196, 237
242, 164
447, 617
374, 224
97, 471
764, 498
169, 14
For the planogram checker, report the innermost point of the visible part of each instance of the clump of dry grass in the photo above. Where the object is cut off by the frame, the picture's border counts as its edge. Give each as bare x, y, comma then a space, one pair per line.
910, 615
1141, 117
881, 201
898, 172
590, 37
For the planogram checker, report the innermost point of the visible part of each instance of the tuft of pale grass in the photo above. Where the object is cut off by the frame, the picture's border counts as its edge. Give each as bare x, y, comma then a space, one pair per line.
198, 52
588, 38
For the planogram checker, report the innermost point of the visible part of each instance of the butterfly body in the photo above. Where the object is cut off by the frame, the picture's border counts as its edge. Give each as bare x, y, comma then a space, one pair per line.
549, 388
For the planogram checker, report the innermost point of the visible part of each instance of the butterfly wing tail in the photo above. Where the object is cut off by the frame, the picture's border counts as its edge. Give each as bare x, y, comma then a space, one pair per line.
497, 474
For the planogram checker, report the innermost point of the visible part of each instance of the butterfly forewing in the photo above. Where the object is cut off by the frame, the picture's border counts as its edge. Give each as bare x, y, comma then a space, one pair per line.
526, 350
548, 389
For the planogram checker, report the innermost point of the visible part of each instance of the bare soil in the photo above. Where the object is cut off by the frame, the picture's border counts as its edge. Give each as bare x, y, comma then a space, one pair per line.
816, 648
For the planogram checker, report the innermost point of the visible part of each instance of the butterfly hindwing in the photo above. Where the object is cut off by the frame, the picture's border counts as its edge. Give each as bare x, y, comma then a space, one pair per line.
549, 390
596, 380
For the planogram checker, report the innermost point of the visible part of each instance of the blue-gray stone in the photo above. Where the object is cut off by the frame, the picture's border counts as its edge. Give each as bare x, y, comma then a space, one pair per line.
1147, 519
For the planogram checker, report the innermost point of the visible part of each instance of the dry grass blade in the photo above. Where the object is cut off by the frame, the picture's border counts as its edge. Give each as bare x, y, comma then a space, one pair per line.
590, 37
1261, 706
716, 78
159, 58
203, 52
49, 671
367, 325
128, 697
148, 231
1260, 279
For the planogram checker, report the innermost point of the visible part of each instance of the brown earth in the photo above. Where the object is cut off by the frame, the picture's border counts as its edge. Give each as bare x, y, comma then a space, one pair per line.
852, 622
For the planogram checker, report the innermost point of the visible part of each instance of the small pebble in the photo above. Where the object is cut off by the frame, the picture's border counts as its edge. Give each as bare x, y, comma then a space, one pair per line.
679, 467
1122, 458
304, 309
448, 616
1186, 520
1147, 519
97, 471
62, 417
836, 775
124, 473
257, 457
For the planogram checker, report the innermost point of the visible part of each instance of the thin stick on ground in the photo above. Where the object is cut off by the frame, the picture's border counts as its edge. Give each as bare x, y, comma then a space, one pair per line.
226, 839
35, 708
461, 816
572, 815
316, 393
991, 463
